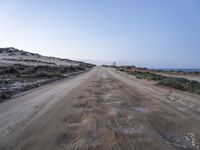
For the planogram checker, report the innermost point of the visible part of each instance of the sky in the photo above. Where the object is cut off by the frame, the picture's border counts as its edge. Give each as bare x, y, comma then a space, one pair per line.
145, 33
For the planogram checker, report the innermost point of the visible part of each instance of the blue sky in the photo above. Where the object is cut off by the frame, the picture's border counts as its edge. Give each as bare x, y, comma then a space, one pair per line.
156, 33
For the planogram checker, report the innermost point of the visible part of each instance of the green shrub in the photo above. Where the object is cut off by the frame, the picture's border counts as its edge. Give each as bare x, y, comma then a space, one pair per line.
181, 84
55, 74
48, 74
147, 75
121, 69
172, 82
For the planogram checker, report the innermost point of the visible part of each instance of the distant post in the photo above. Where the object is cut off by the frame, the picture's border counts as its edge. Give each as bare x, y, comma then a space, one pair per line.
114, 64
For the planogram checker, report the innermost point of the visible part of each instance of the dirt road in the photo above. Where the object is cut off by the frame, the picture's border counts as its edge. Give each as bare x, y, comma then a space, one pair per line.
101, 109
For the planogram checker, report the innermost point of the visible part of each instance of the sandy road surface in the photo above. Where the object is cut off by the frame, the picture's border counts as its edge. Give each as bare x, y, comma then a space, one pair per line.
102, 109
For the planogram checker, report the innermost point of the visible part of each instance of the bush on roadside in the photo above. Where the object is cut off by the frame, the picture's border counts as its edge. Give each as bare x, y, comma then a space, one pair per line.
172, 82
147, 75
43, 74
181, 84
121, 69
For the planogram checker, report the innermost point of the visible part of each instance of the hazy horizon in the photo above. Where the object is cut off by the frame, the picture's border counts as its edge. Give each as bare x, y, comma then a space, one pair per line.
156, 34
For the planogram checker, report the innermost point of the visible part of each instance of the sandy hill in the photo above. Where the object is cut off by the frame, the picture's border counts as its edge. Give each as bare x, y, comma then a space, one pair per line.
21, 71
14, 56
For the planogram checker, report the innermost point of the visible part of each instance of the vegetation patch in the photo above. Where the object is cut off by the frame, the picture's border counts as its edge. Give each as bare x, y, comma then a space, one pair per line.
181, 84
147, 75
172, 82
16, 78
44, 74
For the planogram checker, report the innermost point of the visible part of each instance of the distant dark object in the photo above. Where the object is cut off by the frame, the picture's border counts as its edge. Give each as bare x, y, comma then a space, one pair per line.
104, 65
128, 67
114, 65
24, 53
